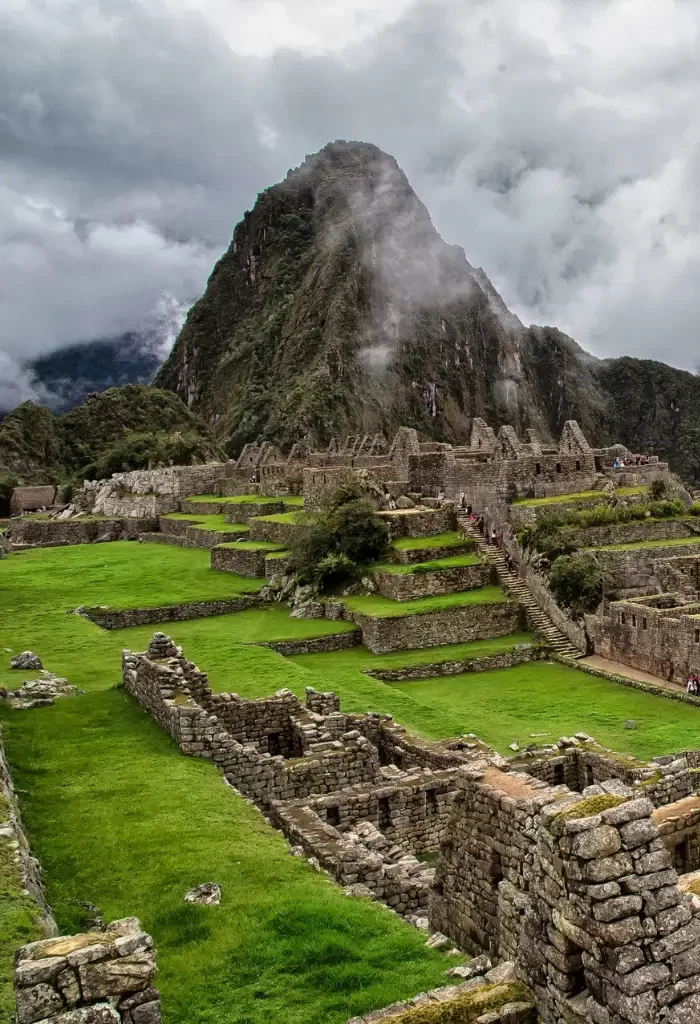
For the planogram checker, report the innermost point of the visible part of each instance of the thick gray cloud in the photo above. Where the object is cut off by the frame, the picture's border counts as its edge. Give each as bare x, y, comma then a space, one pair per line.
557, 142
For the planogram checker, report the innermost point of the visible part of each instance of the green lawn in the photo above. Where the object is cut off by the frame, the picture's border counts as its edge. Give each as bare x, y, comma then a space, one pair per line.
676, 542
243, 499
384, 607
454, 562
450, 539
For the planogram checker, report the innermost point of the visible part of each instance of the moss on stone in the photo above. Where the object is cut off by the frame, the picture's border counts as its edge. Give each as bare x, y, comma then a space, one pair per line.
466, 1009
591, 806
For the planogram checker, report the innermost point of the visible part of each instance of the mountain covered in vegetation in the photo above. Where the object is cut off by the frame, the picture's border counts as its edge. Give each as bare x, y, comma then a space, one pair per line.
120, 429
338, 308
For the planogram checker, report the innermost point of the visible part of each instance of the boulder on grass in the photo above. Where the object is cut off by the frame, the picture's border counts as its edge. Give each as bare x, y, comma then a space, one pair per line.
27, 659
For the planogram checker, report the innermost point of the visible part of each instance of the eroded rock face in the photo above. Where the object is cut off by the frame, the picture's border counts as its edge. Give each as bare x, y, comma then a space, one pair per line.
26, 660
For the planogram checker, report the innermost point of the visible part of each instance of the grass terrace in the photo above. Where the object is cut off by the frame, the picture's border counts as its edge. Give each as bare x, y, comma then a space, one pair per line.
255, 545
450, 539
563, 499
452, 562
214, 522
385, 608
243, 499
285, 517
677, 542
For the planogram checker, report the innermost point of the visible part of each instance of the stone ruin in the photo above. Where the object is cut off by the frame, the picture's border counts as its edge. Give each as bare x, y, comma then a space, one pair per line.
578, 890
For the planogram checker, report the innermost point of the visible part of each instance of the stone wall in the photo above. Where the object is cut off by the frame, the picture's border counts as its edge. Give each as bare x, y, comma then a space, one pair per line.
45, 533
97, 978
679, 830
631, 533
635, 569
411, 556
242, 560
509, 659
662, 641
15, 845
316, 644
581, 891
244, 511
116, 618
520, 515
273, 532
420, 522
456, 625
410, 586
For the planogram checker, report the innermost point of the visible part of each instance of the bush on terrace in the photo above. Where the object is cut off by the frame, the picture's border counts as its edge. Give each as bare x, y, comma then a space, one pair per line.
578, 582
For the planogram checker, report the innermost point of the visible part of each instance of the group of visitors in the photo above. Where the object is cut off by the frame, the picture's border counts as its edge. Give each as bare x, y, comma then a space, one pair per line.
638, 460
693, 685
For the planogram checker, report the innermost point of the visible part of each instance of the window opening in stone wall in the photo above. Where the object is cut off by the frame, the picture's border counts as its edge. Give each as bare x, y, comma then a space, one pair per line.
274, 745
644, 623
538, 469
431, 804
590, 778
681, 857
634, 620
333, 816
383, 814
598, 464
495, 869
578, 467
697, 636
623, 618
559, 777
558, 467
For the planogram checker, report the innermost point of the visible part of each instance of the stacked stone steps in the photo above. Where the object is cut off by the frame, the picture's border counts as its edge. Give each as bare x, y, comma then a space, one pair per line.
519, 589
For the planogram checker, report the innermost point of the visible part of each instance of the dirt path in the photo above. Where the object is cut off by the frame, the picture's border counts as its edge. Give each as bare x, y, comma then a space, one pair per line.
508, 784
595, 661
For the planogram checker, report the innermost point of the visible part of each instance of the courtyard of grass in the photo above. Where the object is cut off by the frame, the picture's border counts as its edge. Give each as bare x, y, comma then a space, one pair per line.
204, 522
671, 542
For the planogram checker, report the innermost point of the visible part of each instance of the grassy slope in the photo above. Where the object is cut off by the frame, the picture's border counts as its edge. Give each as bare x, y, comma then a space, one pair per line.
205, 522
384, 607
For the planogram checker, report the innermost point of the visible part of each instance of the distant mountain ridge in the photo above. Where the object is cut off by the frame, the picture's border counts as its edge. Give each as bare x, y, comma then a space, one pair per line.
338, 308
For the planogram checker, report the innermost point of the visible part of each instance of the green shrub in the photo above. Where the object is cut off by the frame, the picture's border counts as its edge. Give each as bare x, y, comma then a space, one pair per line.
657, 489
361, 534
308, 549
334, 570
666, 509
134, 450
694, 509
578, 582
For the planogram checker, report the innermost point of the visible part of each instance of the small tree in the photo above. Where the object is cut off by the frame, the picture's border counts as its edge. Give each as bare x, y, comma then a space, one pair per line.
658, 489
578, 582
360, 533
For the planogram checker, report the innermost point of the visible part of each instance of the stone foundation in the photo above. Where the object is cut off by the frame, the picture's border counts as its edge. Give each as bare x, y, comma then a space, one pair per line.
509, 659
45, 533
241, 560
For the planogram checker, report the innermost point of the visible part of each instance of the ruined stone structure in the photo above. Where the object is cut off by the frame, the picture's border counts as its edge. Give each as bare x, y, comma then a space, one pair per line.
579, 889
31, 499
103, 977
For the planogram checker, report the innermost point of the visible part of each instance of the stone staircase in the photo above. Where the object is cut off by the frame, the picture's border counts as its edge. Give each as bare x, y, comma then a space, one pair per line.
518, 588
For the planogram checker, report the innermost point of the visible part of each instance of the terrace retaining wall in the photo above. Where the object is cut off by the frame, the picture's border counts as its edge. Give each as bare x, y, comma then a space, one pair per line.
455, 625
410, 556
530, 515
240, 560
489, 663
410, 586
316, 644
113, 618
283, 534
47, 533
420, 522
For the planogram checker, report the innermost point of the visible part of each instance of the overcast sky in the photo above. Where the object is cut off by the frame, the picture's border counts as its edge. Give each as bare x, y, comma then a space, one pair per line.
557, 141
